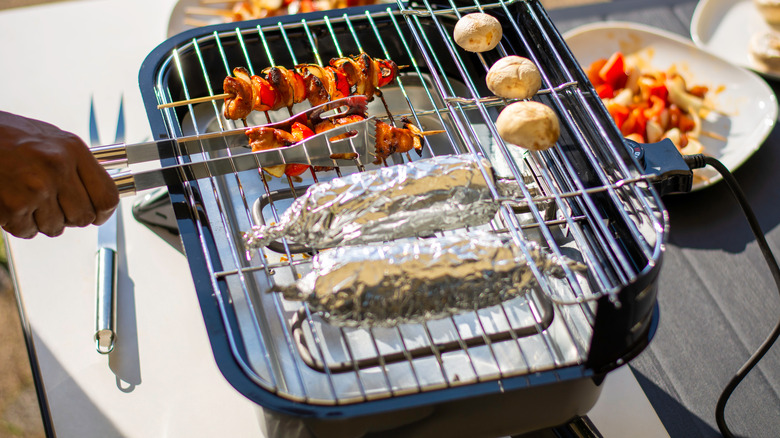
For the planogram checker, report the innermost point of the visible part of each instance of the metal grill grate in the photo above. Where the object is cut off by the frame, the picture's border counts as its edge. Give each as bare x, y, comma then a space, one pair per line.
586, 200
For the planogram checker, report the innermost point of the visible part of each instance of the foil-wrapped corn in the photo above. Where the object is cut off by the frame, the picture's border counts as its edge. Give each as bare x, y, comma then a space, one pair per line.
413, 199
413, 280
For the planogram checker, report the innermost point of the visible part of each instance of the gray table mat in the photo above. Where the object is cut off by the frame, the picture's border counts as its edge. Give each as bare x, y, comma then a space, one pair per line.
717, 298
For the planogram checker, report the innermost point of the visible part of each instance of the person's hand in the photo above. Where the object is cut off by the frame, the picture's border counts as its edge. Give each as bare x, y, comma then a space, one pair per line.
49, 180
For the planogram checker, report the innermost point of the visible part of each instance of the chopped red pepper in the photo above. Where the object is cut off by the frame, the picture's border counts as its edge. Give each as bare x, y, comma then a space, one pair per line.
299, 132
605, 91
618, 112
635, 123
593, 72
657, 105
295, 169
686, 123
341, 83
659, 89
614, 71
386, 72
266, 95
649, 98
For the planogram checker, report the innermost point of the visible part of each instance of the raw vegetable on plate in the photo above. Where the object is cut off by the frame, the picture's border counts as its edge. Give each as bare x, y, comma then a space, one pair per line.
649, 105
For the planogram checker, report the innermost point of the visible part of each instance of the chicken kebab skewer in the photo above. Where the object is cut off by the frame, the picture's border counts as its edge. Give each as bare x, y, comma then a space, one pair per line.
279, 87
359, 75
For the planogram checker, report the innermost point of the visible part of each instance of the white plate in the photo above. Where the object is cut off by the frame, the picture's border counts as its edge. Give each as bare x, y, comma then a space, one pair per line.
746, 98
724, 27
181, 20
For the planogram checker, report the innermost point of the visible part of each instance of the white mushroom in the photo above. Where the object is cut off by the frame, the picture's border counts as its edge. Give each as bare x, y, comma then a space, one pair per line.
477, 32
764, 48
528, 124
514, 77
769, 9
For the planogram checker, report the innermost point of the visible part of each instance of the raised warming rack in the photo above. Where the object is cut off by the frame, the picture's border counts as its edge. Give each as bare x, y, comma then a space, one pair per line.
586, 200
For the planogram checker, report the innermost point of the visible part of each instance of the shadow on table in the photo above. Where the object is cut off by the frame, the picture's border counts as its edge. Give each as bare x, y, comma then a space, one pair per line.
676, 418
75, 414
125, 361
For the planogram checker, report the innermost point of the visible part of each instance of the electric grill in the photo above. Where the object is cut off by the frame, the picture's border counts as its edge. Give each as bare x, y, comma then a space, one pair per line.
532, 362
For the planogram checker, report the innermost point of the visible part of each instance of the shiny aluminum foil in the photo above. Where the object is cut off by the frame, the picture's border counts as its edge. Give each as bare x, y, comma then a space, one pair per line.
413, 280
413, 199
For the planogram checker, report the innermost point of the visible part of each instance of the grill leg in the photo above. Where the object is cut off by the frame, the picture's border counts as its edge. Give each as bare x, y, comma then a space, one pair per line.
580, 427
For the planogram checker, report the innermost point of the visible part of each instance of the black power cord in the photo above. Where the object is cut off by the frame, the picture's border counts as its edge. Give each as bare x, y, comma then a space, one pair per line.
699, 161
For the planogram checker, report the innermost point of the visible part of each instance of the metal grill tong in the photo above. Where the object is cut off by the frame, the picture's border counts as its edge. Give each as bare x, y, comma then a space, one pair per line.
324, 149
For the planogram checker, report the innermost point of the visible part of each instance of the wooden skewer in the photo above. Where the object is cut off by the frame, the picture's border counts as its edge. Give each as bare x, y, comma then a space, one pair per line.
195, 100
192, 22
717, 111
197, 10
427, 133
714, 135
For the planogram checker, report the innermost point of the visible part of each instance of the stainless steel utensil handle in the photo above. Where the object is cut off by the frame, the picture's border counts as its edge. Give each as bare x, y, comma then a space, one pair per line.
125, 182
111, 156
114, 156
105, 318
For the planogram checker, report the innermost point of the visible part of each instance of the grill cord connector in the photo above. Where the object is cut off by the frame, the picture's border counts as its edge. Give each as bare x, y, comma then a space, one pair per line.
696, 162
670, 173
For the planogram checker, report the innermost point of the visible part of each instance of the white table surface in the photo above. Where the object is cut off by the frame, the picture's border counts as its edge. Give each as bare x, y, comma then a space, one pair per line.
161, 380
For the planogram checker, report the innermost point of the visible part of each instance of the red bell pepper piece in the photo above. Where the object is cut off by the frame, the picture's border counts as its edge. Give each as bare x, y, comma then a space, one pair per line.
295, 169
686, 123
614, 71
659, 89
605, 91
386, 72
341, 83
266, 95
657, 105
299, 132
635, 123
619, 113
593, 72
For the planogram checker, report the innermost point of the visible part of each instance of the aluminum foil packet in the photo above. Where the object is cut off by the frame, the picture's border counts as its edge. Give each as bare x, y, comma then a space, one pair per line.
406, 200
413, 280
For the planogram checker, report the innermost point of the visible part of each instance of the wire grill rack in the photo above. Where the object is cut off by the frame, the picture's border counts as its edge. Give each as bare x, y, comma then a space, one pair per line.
586, 200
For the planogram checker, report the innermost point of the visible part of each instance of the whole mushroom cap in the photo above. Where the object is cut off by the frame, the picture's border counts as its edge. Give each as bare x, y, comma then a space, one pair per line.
514, 77
769, 9
764, 49
529, 124
477, 32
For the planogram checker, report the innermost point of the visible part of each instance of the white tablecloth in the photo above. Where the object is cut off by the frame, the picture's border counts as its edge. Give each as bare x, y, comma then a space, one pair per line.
161, 380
